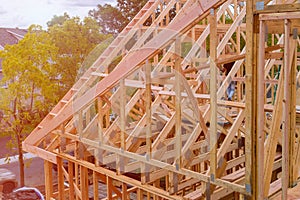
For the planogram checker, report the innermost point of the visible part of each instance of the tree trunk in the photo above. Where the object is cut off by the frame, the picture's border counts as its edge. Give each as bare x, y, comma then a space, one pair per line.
21, 161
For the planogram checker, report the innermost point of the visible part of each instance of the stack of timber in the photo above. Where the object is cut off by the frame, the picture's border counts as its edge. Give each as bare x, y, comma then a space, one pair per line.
159, 125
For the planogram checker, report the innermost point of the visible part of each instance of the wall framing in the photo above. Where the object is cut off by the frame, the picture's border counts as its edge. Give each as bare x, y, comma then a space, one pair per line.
159, 125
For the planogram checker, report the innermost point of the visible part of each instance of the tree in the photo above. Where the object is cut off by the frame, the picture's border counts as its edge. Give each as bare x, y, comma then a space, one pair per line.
29, 69
58, 20
75, 39
129, 8
114, 19
110, 18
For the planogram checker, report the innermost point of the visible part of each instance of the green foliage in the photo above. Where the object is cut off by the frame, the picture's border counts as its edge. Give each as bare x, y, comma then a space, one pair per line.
40, 69
114, 19
75, 39
129, 8
58, 20
29, 70
109, 18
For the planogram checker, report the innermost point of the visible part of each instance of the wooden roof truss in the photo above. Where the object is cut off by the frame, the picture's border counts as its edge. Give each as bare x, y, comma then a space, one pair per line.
159, 124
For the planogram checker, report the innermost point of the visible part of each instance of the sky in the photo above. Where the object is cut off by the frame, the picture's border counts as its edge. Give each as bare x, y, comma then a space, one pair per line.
23, 13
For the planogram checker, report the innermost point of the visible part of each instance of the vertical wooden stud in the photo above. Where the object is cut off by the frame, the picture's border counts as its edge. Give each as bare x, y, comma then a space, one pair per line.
286, 100
60, 176
213, 98
48, 179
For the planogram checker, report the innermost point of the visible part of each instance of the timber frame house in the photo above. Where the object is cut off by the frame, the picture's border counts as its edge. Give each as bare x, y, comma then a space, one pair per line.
159, 125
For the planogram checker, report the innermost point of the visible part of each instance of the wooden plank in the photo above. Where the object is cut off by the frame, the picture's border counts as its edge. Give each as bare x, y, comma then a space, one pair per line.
109, 187
98, 152
260, 104
95, 185
213, 140
230, 59
251, 179
120, 162
279, 8
124, 191
293, 171
84, 185
177, 87
286, 108
46, 155
148, 100
280, 16
48, 179
71, 180
60, 179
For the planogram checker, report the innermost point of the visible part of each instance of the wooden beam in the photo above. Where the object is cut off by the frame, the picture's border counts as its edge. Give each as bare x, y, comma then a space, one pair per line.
109, 187
280, 16
124, 191
230, 59
84, 185
286, 108
148, 100
178, 85
260, 104
95, 185
293, 171
48, 179
251, 179
71, 180
213, 140
145, 174
60, 179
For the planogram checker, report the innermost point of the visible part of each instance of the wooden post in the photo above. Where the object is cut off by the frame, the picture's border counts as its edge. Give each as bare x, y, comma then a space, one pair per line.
98, 151
48, 179
84, 184
80, 124
260, 105
62, 146
213, 97
251, 176
122, 112
1, 193
148, 99
293, 172
120, 159
76, 165
60, 176
148, 108
177, 87
124, 191
286, 100
139, 194
109, 187
178, 102
71, 181
95, 185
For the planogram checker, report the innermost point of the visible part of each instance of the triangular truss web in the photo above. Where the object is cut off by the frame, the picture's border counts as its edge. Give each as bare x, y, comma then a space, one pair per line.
144, 127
